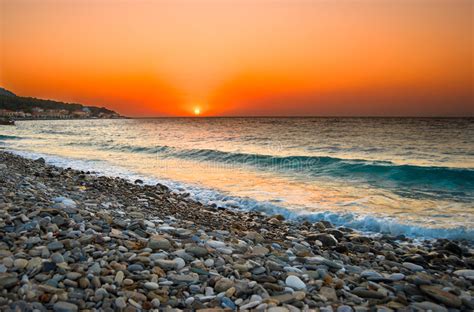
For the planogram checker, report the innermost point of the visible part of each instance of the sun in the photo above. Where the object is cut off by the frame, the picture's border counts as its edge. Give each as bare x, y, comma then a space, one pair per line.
197, 111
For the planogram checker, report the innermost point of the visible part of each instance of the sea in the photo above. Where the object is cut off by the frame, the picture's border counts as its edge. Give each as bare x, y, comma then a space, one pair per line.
397, 176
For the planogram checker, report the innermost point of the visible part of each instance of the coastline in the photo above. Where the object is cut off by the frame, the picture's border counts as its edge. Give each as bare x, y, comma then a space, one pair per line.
76, 118
73, 241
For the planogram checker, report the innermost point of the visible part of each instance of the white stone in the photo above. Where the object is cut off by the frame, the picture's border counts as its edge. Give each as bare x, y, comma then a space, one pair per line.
215, 244
65, 201
151, 286
225, 250
156, 303
165, 228
180, 263
209, 291
256, 298
209, 262
295, 282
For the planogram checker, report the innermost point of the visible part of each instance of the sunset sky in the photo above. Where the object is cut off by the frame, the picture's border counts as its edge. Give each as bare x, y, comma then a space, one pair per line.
229, 58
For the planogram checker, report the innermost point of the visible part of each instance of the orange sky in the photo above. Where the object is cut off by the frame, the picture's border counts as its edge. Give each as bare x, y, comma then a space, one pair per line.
243, 57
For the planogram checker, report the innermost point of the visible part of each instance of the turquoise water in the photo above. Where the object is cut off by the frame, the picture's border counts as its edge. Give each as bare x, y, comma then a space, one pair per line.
393, 175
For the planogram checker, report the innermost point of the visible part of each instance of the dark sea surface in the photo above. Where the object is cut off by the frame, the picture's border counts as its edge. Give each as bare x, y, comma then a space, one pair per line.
411, 176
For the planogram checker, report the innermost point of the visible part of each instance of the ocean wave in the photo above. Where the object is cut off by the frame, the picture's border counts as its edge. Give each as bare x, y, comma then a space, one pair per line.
409, 181
4, 137
365, 223
59, 131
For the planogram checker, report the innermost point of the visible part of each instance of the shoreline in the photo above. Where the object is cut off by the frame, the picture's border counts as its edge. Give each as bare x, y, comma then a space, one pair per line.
73, 241
375, 226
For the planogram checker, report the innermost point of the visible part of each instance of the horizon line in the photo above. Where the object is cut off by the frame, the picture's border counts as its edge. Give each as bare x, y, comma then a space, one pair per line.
297, 116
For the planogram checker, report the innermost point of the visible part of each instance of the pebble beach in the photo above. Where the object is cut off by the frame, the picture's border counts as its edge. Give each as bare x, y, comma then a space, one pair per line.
76, 241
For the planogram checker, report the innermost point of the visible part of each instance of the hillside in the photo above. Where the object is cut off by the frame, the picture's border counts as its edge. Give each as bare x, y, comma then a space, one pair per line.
19, 106
6, 92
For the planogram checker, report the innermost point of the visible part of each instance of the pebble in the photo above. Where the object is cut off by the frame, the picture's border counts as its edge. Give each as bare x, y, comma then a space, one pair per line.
62, 306
295, 282
215, 244
197, 251
227, 303
159, 243
20, 264
151, 286
223, 284
84, 283
370, 274
73, 275
119, 277
397, 277
368, 294
413, 267
278, 309
120, 303
468, 274
57, 257
166, 265
344, 308
326, 239
430, 306
179, 263
67, 202
135, 268
249, 305
209, 291
55, 246
442, 296
95, 269
329, 293
8, 281
156, 303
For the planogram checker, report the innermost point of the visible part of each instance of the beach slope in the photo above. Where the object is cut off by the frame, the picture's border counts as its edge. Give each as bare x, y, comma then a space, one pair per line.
75, 241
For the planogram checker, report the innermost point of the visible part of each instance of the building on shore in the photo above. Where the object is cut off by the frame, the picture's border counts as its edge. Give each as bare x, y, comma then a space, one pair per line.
13, 114
39, 113
80, 114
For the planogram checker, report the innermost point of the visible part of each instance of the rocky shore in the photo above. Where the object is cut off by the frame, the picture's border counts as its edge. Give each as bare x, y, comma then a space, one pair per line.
75, 241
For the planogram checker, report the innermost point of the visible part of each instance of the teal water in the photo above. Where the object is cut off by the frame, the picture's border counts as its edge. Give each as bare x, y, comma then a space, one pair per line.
394, 175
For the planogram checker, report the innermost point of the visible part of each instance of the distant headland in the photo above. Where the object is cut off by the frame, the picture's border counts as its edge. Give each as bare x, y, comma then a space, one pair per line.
25, 108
